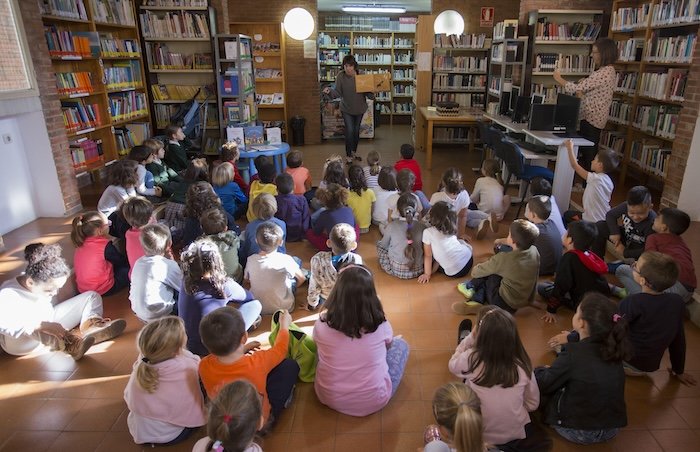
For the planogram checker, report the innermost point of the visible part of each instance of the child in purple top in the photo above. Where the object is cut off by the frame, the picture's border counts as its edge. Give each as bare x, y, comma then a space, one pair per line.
360, 362
335, 199
205, 287
292, 209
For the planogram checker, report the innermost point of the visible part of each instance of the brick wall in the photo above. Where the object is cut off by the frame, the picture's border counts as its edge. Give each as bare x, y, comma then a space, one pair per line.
471, 11
302, 73
50, 104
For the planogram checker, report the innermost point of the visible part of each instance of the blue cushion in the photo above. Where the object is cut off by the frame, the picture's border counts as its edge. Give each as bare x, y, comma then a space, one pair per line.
530, 172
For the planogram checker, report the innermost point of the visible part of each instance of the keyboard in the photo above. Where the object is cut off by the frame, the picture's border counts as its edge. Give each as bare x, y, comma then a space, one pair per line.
536, 148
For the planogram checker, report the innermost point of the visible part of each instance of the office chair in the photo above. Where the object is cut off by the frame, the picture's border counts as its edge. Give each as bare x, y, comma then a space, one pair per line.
486, 143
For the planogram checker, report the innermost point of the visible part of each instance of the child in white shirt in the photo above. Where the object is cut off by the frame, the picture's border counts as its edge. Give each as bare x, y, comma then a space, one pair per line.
156, 277
440, 241
488, 190
383, 192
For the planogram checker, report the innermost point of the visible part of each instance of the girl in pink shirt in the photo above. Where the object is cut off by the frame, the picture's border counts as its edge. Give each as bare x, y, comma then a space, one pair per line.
99, 266
360, 362
138, 212
494, 364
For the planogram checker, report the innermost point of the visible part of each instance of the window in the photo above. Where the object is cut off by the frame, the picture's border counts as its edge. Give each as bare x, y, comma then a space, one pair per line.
15, 65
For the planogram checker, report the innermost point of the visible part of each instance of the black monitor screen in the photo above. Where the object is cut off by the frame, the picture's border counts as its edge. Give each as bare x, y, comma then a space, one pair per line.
537, 99
522, 109
504, 104
567, 111
542, 117
514, 94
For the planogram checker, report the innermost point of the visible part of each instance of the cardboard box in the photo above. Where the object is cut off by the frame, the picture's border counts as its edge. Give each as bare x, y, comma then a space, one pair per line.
373, 83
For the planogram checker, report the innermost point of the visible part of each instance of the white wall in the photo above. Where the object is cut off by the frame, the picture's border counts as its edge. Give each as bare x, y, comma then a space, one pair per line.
16, 187
688, 199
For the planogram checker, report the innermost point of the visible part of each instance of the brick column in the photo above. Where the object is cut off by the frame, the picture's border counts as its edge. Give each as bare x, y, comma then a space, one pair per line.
50, 104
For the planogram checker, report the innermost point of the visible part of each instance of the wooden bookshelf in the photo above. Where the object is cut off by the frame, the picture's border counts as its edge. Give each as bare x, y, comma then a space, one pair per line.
98, 63
651, 86
269, 55
507, 63
180, 62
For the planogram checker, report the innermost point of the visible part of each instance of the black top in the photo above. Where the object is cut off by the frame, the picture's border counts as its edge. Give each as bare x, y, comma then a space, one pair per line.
575, 279
633, 235
583, 391
656, 323
549, 245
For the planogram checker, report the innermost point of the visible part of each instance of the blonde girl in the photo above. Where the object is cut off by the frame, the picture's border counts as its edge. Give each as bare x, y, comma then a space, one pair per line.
371, 171
360, 198
235, 415
488, 190
457, 412
452, 254
98, 265
233, 200
400, 251
163, 394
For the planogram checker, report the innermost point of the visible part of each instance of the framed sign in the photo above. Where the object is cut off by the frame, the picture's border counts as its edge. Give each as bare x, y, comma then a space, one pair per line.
486, 19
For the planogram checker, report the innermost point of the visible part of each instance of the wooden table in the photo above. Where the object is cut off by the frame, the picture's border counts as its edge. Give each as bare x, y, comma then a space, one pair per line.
467, 118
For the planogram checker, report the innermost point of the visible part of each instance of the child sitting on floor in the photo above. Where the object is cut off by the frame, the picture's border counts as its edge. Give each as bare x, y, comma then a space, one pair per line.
163, 176
335, 200
400, 251
405, 181
176, 148
123, 180
146, 185
300, 174
488, 190
542, 187
200, 198
197, 171
371, 171
231, 154
292, 209
264, 208
360, 198
138, 212
383, 193
233, 200
266, 184
215, 227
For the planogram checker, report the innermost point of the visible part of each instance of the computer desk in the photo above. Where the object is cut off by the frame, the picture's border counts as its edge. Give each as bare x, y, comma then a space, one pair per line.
563, 171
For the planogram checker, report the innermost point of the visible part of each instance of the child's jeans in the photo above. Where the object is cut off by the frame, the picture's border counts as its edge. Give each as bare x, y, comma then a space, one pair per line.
423, 200
280, 384
474, 217
585, 436
624, 274
396, 359
486, 291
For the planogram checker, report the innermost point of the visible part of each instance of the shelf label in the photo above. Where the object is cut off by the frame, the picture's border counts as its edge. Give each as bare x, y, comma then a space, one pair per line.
80, 132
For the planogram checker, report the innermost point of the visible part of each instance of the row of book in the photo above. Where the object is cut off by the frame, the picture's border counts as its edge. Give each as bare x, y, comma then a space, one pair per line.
119, 12
650, 157
65, 43
403, 107
129, 105
672, 49
123, 74
268, 73
266, 46
176, 3
163, 113
613, 139
495, 84
403, 42
326, 40
659, 120
79, 116
511, 52
578, 31
451, 134
231, 84
459, 63
626, 82
463, 99
85, 151
253, 135
458, 81
383, 109
373, 58
630, 18
125, 140
237, 112
176, 24
548, 62
404, 90
403, 57
470, 41
549, 92
72, 9
630, 49
620, 112
162, 58
332, 56
675, 11
372, 41
270, 99
371, 23
664, 85
404, 74
177, 92
112, 46
74, 83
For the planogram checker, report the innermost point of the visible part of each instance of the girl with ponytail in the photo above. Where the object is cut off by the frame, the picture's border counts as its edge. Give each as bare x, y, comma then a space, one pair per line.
590, 373
457, 411
400, 251
99, 266
235, 415
163, 393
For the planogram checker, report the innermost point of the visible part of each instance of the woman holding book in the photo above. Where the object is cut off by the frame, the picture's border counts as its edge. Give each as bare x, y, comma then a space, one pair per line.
596, 92
352, 105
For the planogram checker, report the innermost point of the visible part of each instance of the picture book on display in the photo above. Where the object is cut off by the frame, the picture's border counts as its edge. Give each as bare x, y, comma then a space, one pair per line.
253, 135
274, 135
236, 134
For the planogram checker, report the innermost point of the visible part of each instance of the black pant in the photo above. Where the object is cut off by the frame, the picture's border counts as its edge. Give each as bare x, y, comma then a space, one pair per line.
536, 440
352, 132
598, 245
280, 384
586, 154
486, 291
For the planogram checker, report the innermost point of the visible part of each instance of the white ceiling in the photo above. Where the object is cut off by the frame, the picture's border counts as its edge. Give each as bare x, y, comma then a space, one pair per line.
410, 5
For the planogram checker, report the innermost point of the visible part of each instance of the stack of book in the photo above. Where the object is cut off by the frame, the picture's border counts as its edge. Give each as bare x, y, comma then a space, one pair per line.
85, 151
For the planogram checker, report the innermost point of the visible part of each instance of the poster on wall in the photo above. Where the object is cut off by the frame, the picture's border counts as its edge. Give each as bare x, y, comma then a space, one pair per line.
332, 125
486, 20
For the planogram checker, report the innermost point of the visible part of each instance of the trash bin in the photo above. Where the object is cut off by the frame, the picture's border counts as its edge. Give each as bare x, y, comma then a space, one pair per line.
298, 123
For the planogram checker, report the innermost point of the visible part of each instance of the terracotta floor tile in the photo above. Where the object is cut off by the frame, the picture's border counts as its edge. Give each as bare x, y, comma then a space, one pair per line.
637, 441
118, 442
401, 442
30, 440
120, 424
55, 414
409, 388
310, 441
432, 340
402, 416
97, 415
352, 442
658, 415
275, 441
353, 424
689, 410
313, 416
677, 440
77, 441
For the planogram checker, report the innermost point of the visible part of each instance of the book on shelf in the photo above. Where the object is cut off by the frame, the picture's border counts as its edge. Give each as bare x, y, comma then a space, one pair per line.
548, 62
614, 140
78, 115
459, 63
71, 9
123, 74
278, 98
326, 40
232, 112
630, 18
549, 92
111, 46
162, 58
123, 106
176, 3
264, 47
463, 99
65, 43
372, 41
74, 83
268, 73
626, 82
213, 146
463, 41
85, 151
125, 140
668, 12
265, 99
174, 24
373, 58
237, 135
140, 130
650, 156
234, 49
253, 135
619, 112
274, 135
508, 29
668, 85
177, 92
578, 31
371, 23
119, 12
456, 81
630, 49
659, 120
670, 49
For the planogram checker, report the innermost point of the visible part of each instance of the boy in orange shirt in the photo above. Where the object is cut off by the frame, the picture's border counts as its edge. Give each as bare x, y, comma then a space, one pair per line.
224, 335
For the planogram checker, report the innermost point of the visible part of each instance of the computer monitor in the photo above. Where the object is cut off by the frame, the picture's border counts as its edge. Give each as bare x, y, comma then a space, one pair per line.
514, 94
521, 109
504, 103
542, 117
566, 113
537, 99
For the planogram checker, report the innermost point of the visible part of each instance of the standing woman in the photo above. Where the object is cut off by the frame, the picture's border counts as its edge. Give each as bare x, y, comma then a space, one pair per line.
352, 105
596, 92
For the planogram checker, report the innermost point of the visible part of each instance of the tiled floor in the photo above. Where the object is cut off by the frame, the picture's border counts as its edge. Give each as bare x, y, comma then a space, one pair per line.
49, 402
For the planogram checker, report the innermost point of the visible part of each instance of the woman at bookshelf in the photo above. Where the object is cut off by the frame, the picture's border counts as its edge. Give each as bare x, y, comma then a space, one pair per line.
596, 92
352, 106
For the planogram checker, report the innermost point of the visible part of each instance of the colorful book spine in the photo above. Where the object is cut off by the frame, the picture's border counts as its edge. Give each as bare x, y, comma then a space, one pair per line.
72, 9
74, 84
119, 12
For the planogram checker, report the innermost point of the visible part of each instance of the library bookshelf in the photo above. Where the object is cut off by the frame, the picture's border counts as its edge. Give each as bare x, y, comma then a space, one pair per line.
177, 43
560, 39
507, 63
96, 56
269, 55
657, 42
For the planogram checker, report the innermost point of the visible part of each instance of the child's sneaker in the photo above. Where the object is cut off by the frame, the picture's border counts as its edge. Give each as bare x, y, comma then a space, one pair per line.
311, 308
468, 292
466, 307
102, 329
482, 228
255, 324
465, 327
76, 346
431, 433
619, 292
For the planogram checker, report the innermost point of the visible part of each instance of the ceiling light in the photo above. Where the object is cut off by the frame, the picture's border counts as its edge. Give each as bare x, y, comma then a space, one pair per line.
388, 9
298, 23
449, 22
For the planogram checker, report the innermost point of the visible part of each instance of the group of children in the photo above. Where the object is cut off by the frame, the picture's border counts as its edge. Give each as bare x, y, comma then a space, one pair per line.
197, 313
